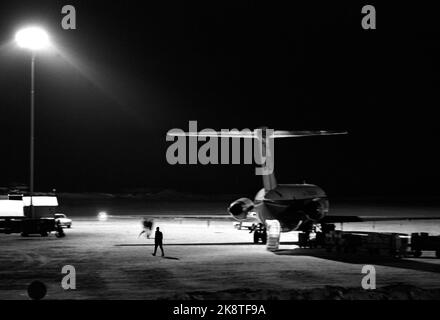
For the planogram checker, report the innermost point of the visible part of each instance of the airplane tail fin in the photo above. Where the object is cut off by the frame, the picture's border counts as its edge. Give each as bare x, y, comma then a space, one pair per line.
269, 181
266, 152
266, 136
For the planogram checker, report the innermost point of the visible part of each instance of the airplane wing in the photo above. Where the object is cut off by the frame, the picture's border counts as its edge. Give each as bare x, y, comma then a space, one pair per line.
175, 217
342, 219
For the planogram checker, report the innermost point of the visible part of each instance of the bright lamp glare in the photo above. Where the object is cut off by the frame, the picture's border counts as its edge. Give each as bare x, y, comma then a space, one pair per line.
33, 38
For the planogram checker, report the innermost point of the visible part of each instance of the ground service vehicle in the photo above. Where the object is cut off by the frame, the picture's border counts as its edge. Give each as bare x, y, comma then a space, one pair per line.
17, 215
63, 220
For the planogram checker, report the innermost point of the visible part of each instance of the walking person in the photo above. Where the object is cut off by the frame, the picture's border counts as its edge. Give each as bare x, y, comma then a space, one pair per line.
158, 238
147, 228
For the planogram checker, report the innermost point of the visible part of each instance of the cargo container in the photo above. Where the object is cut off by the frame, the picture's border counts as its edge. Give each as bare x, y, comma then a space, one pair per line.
424, 242
371, 243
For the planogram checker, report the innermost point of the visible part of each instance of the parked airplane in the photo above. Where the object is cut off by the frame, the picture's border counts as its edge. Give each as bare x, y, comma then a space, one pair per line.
286, 207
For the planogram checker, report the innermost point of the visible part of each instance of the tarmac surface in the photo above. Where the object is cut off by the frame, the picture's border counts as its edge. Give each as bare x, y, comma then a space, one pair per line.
204, 259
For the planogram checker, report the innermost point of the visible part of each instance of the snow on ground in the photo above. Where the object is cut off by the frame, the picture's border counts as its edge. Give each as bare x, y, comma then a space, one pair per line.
201, 258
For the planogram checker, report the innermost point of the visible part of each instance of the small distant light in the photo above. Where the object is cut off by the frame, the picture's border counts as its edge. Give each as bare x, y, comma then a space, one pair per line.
102, 216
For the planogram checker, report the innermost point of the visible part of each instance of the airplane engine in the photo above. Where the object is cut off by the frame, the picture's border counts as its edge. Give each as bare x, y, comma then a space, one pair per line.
316, 209
240, 208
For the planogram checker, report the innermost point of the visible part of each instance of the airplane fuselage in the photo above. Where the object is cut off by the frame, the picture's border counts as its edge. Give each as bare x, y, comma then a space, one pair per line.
295, 206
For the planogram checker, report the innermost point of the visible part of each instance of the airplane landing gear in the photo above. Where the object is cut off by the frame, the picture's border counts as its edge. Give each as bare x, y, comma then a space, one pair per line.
273, 234
260, 234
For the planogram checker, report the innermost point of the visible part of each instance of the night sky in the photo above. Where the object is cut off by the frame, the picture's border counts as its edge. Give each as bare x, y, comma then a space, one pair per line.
132, 70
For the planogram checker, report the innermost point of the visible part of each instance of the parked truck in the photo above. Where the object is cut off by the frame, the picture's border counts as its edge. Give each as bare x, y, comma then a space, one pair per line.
18, 216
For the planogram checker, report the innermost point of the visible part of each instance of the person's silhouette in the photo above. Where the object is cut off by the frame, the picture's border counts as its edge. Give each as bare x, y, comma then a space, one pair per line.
158, 237
148, 227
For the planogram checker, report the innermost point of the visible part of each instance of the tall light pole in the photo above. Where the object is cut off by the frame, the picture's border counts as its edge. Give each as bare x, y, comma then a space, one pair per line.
33, 39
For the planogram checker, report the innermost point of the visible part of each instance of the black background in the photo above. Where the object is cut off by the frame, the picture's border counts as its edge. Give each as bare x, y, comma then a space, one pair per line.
133, 70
